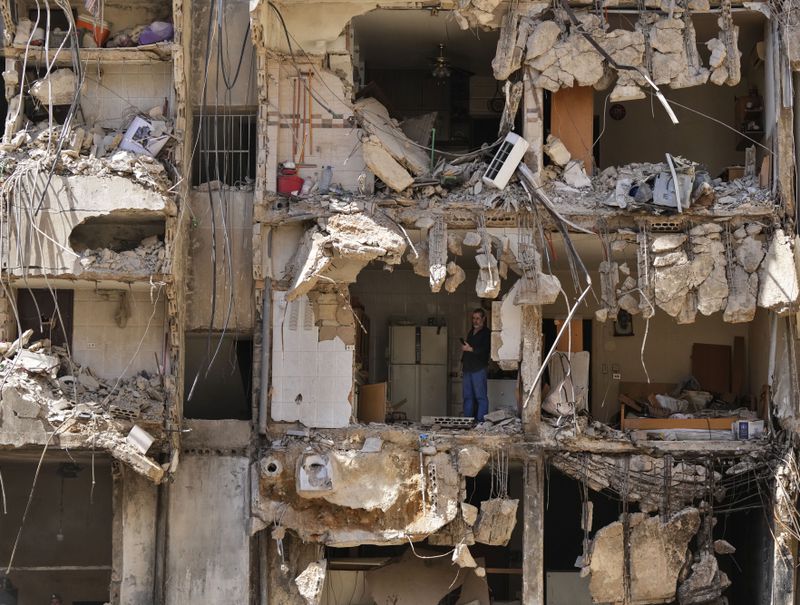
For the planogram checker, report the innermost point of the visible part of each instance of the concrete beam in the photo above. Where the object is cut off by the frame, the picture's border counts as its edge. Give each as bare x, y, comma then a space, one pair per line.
533, 532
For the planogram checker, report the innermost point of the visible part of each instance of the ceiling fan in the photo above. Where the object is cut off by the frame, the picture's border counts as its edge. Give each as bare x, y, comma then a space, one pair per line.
441, 66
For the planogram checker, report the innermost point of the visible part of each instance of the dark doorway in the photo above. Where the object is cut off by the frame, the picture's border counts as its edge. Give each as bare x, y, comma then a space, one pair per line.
222, 389
48, 313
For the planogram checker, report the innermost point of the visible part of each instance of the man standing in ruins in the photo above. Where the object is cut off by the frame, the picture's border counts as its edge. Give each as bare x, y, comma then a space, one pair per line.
474, 364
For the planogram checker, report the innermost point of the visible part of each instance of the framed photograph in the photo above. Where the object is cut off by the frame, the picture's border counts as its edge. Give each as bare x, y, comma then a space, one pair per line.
623, 326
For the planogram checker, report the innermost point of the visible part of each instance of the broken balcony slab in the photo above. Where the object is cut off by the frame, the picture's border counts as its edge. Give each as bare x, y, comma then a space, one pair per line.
622, 195
320, 494
43, 404
35, 245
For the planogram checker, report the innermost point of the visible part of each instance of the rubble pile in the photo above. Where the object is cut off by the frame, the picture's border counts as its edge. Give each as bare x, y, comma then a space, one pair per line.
146, 258
502, 421
647, 186
94, 151
559, 55
46, 392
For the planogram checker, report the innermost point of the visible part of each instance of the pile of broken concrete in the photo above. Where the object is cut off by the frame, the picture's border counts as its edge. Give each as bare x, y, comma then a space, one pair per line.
146, 259
48, 398
84, 151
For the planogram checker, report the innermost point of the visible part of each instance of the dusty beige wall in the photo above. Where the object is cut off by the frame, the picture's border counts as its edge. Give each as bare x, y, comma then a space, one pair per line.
208, 549
237, 288
97, 340
236, 17
645, 133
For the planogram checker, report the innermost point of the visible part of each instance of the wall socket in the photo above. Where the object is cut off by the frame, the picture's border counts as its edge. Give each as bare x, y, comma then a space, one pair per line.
616, 376
91, 345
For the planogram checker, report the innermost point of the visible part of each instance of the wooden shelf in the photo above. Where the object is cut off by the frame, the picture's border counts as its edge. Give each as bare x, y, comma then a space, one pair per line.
134, 55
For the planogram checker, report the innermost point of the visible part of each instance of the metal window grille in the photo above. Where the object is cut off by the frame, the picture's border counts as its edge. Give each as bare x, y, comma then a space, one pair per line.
226, 148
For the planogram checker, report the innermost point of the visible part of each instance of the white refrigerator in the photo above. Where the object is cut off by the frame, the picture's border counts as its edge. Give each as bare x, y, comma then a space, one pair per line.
418, 370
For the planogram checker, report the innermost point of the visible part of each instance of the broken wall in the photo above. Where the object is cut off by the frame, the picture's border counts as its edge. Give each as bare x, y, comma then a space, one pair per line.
208, 547
110, 350
43, 247
236, 253
667, 352
321, 136
321, 494
312, 380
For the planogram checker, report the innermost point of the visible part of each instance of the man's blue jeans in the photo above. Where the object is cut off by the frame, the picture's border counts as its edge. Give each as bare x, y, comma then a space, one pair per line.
475, 394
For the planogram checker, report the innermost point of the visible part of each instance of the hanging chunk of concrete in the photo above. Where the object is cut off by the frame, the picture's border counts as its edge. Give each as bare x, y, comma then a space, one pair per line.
455, 277
437, 254
311, 581
340, 247
657, 555
507, 330
496, 521
471, 459
705, 584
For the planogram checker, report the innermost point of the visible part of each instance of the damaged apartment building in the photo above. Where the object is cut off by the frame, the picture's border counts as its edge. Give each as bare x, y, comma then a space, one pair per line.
241, 243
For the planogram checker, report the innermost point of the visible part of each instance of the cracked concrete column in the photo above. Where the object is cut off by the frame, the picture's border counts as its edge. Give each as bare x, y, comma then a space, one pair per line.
533, 532
532, 123
531, 361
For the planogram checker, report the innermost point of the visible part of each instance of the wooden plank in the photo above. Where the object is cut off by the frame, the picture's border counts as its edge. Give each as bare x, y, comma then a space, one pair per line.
630, 402
712, 424
711, 366
372, 402
572, 117
572, 336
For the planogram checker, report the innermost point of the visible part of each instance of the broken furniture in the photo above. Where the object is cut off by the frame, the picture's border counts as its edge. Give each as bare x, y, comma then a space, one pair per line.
633, 392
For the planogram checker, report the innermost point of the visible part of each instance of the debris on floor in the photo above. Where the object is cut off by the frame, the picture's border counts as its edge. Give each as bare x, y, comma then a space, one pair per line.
146, 259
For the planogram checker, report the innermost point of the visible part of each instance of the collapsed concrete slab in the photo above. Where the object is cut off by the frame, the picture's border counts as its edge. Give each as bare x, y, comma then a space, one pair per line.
399, 502
39, 408
64, 204
657, 555
496, 521
335, 250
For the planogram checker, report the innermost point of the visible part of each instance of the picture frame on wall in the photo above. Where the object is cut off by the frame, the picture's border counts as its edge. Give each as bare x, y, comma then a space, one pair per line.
623, 325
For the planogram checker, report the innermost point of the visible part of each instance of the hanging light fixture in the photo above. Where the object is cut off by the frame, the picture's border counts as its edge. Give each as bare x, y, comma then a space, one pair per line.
441, 65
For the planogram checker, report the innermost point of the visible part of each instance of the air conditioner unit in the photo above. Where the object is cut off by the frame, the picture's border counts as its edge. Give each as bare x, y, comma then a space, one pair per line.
505, 161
